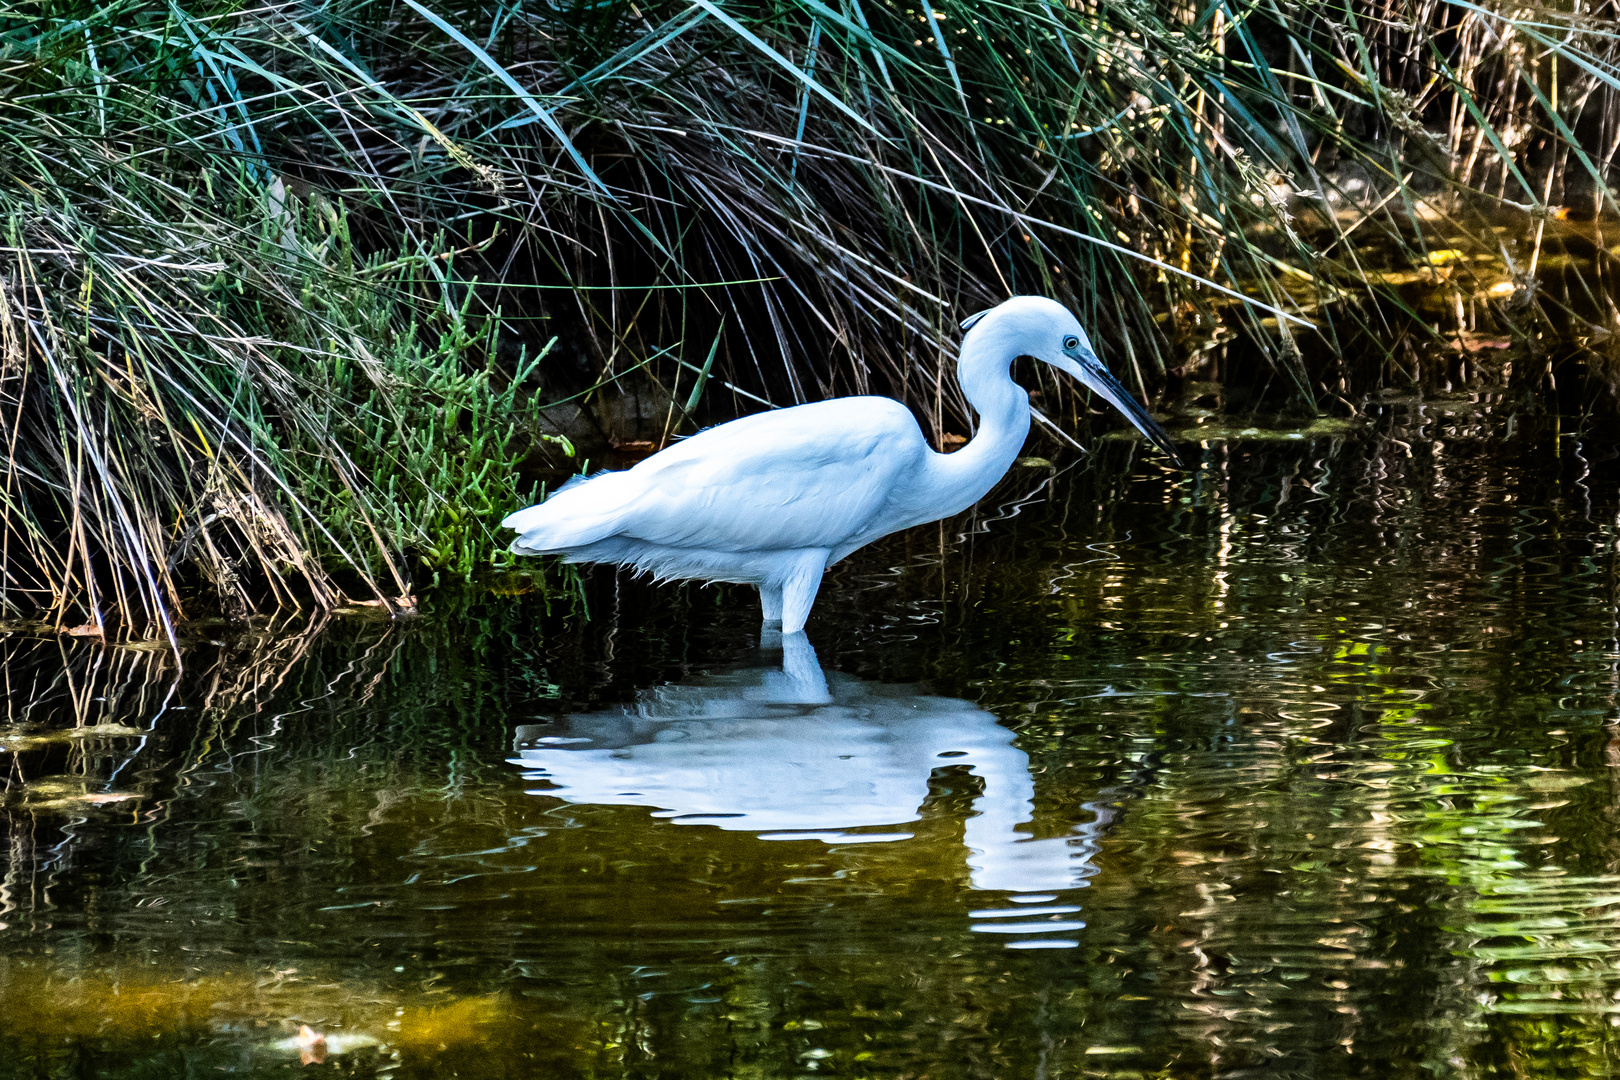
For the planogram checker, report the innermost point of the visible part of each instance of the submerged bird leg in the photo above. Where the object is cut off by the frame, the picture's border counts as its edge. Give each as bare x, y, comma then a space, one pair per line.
799, 587
770, 604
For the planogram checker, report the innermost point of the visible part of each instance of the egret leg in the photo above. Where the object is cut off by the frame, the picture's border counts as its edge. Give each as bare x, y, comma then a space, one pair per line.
770, 604
799, 588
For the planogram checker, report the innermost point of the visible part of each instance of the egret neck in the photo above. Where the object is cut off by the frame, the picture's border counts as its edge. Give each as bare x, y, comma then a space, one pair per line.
957, 481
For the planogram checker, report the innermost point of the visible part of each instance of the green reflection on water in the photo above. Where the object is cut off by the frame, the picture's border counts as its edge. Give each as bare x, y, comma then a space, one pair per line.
1311, 755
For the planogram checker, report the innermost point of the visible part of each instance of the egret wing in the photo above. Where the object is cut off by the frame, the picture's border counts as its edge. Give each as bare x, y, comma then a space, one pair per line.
810, 476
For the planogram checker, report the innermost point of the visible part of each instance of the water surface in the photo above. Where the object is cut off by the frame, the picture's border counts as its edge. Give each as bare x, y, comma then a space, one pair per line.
1301, 764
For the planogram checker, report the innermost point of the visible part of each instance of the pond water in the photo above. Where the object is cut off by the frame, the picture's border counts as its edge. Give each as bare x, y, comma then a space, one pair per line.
1305, 763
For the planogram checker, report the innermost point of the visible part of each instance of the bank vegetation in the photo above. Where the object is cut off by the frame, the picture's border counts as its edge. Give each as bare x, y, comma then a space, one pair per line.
297, 300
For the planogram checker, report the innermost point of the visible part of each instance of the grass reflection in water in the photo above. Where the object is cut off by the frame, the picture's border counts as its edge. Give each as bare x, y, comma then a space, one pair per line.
1309, 756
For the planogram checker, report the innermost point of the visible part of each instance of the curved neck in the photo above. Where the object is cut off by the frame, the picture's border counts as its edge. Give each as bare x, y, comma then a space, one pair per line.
1003, 407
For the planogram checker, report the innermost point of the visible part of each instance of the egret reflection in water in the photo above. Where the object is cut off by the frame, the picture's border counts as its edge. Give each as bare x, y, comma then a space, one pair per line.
797, 753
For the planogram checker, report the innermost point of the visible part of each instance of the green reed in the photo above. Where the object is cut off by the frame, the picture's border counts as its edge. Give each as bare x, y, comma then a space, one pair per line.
285, 287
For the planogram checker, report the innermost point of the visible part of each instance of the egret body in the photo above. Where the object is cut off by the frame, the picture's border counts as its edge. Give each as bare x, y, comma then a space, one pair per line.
771, 500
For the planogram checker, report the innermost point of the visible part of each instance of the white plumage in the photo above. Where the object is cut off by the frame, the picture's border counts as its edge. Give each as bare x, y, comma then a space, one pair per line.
773, 499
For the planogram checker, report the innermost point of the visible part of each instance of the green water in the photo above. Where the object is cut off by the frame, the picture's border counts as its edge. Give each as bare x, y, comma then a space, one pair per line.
1306, 763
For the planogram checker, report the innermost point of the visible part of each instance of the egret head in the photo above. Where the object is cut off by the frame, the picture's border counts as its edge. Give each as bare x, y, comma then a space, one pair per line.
1046, 330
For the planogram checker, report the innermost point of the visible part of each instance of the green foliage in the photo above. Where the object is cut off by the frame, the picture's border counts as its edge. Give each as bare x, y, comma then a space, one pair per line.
204, 379
444, 443
256, 258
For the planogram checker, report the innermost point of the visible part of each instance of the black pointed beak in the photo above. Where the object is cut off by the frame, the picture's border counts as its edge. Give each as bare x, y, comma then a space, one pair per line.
1090, 370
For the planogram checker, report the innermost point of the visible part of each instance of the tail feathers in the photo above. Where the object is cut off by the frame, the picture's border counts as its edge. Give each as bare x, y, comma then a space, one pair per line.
577, 515
540, 533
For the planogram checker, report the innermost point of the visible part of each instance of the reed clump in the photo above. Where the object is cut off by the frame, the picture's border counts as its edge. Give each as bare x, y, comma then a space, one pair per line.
291, 294
212, 395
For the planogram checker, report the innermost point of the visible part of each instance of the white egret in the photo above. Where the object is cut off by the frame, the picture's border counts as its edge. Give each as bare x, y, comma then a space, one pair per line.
773, 499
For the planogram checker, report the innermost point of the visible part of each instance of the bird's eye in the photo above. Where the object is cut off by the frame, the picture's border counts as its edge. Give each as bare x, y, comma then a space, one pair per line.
1071, 342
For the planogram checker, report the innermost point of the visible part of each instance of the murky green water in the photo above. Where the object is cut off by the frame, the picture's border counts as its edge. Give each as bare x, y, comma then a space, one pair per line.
1306, 764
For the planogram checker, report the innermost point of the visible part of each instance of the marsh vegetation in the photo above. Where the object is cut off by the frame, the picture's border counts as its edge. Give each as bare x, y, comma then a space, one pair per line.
298, 299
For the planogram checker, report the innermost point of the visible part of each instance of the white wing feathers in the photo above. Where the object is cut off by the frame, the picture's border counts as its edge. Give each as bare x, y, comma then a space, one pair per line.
807, 477
580, 513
